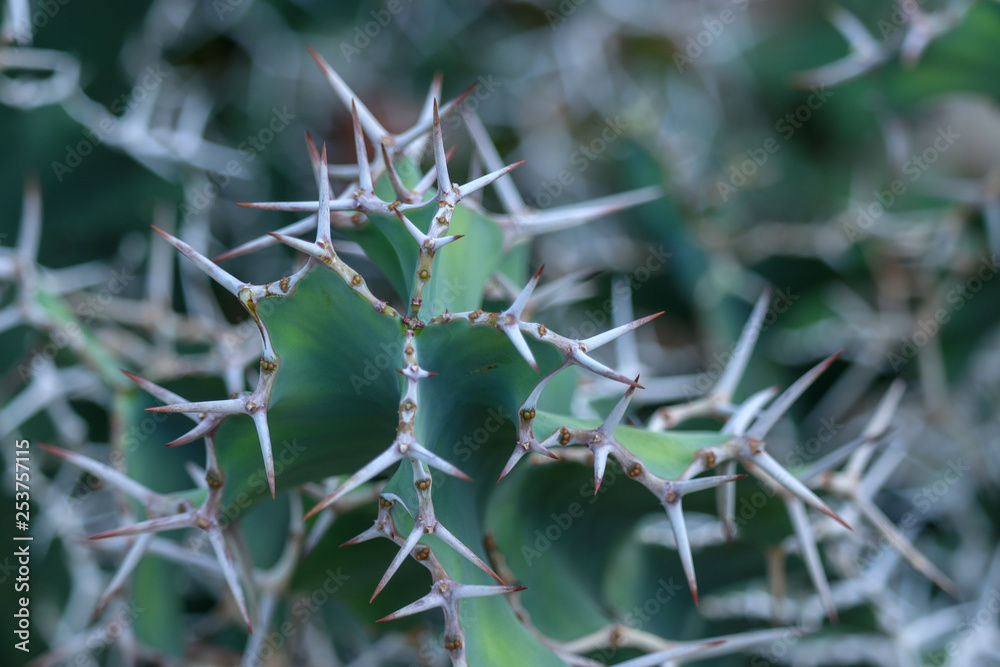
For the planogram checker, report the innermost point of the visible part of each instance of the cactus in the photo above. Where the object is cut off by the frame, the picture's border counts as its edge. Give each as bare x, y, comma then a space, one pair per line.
368, 399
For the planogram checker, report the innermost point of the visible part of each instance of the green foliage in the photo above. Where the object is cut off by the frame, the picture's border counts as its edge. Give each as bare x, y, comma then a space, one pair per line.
406, 354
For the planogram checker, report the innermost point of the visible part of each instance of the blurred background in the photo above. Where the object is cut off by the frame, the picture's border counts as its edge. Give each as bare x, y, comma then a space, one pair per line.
846, 153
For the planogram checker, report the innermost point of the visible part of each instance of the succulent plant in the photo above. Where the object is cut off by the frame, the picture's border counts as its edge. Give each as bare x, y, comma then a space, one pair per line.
401, 370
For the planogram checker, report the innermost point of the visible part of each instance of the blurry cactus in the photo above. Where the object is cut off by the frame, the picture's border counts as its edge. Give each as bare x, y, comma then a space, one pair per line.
411, 404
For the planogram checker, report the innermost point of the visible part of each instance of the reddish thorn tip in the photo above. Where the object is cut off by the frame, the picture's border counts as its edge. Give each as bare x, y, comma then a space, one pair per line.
53, 450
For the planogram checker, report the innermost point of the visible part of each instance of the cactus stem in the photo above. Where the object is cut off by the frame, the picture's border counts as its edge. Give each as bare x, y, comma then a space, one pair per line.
919, 562
390, 456
325, 253
166, 513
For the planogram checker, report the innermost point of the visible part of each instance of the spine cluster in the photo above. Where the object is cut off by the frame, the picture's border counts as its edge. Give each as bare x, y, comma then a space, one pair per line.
746, 424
